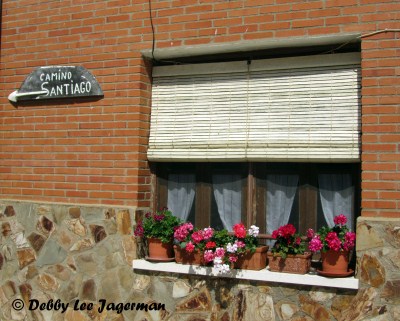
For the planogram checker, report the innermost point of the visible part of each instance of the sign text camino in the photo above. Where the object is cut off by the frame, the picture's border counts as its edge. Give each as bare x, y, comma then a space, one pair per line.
57, 82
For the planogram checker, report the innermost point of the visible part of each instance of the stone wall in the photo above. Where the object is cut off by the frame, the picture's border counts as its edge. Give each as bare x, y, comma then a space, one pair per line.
78, 254
378, 266
65, 252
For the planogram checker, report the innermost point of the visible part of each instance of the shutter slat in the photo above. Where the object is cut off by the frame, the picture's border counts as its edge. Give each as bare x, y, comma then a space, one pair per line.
296, 114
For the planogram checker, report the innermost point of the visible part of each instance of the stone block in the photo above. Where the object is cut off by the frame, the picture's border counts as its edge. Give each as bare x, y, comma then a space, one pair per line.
252, 305
124, 224
198, 302
36, 240
47, 282
372, 271
367, 237
98, 233
76, 226
314, 309
25, 257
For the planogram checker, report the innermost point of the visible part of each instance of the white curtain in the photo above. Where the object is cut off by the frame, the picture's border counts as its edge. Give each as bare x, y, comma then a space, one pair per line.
281, 190
336, 193
181, 191
228, 196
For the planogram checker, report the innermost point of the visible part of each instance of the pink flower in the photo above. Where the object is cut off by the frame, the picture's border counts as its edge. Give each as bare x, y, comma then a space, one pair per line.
208, 233
208, 256
219, 251
232, 258
198, 236
340, 219
183, 231
189, 247
240, 230
310, 233
240, 244
333, 241
315, 244
349, 241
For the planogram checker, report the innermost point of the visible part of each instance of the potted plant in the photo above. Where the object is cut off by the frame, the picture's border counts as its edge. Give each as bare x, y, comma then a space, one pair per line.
216, 251
250, 255
158, 229
289, 252
238, 250
190, 243
335, 244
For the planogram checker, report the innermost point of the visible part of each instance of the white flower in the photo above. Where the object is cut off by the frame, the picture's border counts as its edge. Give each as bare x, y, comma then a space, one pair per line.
254, 230
217, 260
231, 248
222, 268
225, 268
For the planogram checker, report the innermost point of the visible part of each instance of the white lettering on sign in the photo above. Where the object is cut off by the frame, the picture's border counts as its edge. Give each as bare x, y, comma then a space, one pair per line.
66, 89
52, 86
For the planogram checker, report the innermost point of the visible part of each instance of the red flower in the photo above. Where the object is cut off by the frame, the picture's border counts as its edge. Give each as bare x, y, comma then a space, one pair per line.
139, 230
210, 245
240, 230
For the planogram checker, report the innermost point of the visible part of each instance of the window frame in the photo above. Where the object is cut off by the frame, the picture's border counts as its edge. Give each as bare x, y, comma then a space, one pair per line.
253, 201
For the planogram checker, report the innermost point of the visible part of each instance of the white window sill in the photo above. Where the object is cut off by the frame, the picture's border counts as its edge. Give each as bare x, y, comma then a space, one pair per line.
263, 275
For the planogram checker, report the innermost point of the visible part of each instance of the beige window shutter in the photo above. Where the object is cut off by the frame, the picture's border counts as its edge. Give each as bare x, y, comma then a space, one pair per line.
287, 109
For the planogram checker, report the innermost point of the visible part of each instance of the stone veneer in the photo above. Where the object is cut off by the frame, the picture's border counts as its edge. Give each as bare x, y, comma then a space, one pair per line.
70, 253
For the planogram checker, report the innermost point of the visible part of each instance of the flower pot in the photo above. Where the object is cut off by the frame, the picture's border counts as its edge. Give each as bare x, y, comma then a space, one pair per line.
335, 262
298, 264
159, 251
184, 257
253, 261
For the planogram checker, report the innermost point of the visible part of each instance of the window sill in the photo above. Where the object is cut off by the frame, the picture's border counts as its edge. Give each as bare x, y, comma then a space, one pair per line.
263, 275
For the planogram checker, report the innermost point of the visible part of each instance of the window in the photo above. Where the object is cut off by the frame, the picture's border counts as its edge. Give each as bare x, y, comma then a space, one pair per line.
266, 194
267, 141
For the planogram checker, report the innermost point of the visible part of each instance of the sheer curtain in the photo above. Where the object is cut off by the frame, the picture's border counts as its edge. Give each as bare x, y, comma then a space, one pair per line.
228, 196
281, 190
181, 191
336, 193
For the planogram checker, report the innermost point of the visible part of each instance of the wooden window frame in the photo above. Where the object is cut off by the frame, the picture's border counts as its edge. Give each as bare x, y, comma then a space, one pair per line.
253, 201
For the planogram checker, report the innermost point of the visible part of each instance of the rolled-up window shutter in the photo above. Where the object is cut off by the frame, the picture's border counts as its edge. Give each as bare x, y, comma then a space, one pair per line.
288, 109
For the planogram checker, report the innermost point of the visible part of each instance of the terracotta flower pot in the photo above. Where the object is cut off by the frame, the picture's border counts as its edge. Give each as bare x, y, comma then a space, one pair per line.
159, 251
298, 264
253, 261
184, 257
335, 262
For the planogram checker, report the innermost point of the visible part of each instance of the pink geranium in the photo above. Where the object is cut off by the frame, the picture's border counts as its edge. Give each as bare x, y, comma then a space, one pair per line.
240, 230
208, 256
189, 247
240, 244
198, 236
315, 244
219, 251
208, 233
333, 241
336, 238
183, 231
340, 219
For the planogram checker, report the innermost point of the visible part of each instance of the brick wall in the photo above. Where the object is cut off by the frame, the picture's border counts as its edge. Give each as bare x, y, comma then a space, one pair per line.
83, 152
94, 152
